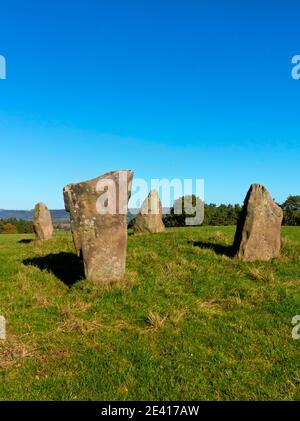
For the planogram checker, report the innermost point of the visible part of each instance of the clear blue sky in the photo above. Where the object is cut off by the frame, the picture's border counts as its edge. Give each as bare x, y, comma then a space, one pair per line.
190, 88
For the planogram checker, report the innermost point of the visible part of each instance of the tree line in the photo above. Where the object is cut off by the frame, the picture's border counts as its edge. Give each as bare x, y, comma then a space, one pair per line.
15, 226
229, 214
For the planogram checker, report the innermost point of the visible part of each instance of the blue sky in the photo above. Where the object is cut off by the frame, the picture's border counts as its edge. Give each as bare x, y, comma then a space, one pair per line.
176, 89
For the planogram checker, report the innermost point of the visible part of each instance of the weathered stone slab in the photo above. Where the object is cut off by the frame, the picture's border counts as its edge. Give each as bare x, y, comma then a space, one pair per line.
258, 233
149, 219
98, 210
42, 222
2, 328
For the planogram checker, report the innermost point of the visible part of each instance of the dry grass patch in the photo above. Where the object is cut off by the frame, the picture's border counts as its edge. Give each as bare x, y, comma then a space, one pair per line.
75, 324
217, 236
262, 274
68, 310
218, 306
156, 321
210, 306
129, 280
295, 283
13, 350
178, 316
255, 295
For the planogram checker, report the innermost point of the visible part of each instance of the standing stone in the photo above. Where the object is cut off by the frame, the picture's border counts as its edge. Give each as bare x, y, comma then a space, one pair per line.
258, 233
149, 218
2, 328
98, 210
42, 222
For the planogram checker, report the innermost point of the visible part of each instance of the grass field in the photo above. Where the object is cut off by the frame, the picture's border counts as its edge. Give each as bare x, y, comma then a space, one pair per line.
186, 323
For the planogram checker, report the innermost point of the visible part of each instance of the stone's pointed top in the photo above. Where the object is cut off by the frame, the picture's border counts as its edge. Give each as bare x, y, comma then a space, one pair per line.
42, 222
40, 205
259, 191
258, 233
149, 218
259, 188
154, 194
152, 204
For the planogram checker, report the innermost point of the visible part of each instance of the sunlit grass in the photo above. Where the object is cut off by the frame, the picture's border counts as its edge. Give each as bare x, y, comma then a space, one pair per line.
184, 323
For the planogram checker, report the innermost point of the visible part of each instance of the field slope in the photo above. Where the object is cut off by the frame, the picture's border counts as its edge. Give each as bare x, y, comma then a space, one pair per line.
187, 322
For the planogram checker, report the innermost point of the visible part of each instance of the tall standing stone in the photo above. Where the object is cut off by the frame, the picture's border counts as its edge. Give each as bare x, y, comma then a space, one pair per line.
42, 222
149, 218
98, 210
258, 233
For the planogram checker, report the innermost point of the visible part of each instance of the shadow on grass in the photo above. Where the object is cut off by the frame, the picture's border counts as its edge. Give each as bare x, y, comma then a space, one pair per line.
65, 266
217, 248
26, 241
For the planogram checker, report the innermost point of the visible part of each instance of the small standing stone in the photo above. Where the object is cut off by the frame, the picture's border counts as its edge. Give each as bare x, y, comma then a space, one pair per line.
149, 218
258, 233
2, 328
42, 222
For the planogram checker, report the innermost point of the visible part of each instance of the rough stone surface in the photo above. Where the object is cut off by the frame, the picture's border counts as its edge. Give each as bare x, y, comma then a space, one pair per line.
2, 328
258, 234
42, 222
149, 219
99, 238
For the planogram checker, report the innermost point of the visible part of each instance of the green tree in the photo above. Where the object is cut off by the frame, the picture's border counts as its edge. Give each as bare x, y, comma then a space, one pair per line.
21, 226
9, 228
291, 210
213, 214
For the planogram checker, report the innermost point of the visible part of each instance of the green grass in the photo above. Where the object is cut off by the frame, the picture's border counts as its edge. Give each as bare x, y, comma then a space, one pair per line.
185, 323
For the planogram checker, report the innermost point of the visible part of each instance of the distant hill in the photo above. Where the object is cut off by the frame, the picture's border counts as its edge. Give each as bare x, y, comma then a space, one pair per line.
58, 215
133, 212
